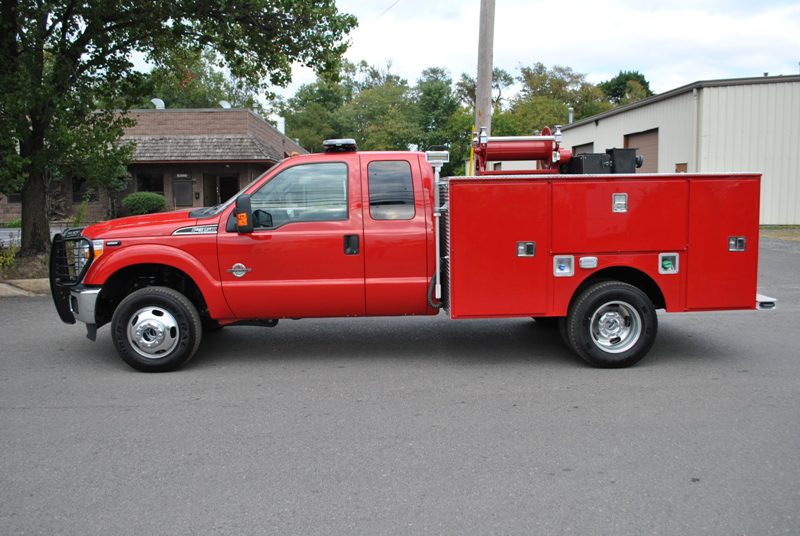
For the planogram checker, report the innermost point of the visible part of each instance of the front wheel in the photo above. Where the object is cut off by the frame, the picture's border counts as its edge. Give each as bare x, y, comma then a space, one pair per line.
156, 329
611, 325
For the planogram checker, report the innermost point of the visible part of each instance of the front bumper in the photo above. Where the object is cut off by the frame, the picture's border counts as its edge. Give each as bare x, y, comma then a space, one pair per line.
82, 301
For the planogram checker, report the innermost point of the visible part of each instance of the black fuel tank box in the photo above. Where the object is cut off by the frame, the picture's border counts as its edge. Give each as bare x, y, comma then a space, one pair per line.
588, 164
622, 160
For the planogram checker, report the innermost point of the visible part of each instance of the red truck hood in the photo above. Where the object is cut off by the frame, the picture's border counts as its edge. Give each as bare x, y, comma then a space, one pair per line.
159, 224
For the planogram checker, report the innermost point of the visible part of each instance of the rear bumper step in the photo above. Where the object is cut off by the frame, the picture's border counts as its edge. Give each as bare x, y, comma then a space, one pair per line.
764, 303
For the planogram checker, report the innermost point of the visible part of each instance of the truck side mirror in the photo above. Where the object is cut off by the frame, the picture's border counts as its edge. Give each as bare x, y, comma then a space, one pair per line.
244, 214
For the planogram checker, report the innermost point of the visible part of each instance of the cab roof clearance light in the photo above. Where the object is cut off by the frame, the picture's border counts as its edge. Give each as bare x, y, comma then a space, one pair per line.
341, 145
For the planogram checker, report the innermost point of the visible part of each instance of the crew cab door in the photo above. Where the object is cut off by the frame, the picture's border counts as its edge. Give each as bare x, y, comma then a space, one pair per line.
304, 257
396, 224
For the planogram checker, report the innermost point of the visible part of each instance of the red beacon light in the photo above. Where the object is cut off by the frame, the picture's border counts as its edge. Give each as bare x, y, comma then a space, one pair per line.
544, 150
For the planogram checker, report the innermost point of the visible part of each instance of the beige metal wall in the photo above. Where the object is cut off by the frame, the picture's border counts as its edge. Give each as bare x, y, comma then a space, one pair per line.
672, 117
756, 128
746, 127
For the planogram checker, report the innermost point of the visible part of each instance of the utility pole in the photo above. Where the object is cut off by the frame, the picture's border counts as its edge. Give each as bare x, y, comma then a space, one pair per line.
483, 86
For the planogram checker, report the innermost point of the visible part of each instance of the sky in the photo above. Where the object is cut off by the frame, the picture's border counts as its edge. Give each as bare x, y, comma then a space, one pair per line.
672, 43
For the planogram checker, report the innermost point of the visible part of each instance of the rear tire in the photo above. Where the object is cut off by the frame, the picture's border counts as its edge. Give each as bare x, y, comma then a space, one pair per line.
156, 329
611, 325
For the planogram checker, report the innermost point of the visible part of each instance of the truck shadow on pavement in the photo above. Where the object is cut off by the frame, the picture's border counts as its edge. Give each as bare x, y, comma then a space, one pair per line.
465, 342
462, 342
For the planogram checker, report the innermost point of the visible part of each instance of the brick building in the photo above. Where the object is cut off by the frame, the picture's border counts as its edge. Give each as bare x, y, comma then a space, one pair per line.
193, 157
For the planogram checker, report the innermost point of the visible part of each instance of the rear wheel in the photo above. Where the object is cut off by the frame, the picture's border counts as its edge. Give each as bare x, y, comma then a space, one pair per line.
156, 329
611, 324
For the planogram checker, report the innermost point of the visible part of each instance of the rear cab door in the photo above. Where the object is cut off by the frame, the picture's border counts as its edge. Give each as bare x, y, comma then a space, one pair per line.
397, 232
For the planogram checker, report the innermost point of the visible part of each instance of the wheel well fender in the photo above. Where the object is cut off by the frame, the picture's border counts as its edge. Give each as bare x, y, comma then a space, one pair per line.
625, 274
124, 272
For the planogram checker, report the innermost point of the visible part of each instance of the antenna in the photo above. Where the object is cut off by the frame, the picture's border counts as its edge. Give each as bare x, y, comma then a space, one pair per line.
158, 103
225, 104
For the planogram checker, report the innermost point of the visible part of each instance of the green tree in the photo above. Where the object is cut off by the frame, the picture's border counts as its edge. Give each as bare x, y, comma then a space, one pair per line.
501, 80
381, 117
441, 120
626, 87
61, 60
545, 97
312, 114
436, 103
190, 79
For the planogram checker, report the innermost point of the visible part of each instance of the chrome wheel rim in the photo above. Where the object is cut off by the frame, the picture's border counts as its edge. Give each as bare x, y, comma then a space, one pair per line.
616, 327
153, 332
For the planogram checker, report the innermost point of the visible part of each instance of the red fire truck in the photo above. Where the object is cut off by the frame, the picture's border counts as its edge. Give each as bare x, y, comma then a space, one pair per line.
583, 242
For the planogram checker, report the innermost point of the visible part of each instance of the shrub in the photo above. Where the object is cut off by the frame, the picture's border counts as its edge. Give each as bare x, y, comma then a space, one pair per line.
144, 203
7, 256
15, 223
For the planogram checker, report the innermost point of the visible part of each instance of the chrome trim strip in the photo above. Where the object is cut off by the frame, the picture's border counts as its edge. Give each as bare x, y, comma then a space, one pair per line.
196, 230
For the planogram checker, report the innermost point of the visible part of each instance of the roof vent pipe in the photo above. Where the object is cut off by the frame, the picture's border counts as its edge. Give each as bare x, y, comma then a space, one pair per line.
571, 115
280, 124
158, 103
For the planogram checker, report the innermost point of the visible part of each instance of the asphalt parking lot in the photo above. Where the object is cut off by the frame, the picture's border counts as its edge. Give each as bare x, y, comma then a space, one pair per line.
407, 426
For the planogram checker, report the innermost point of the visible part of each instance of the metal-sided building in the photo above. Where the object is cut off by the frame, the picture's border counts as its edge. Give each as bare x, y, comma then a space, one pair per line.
745, 124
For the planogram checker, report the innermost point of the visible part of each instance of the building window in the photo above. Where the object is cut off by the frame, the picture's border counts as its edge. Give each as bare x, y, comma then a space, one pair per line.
681, 168
80, 187
391, 195
310, 192
150, 182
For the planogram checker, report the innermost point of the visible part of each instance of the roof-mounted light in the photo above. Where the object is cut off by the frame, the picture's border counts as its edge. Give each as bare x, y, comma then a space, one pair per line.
343, 145
443, 157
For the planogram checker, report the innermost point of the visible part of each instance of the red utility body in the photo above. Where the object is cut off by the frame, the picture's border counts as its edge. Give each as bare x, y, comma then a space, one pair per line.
690, 215
350, 233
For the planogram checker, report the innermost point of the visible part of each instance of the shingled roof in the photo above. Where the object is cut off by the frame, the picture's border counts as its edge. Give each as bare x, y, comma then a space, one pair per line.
202, 148
206, 135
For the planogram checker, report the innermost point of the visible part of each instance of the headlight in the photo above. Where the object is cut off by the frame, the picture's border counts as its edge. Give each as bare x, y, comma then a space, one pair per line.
82, 253
97, 245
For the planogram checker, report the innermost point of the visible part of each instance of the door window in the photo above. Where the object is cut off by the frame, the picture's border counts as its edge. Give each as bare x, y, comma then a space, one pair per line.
391, 194
311, 192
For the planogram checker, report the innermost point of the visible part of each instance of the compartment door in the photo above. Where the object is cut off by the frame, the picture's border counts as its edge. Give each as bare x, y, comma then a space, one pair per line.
488, 224
721, 210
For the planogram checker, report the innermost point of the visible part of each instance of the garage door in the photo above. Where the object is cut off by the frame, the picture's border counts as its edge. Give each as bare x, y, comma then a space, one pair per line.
646, 144
585, 148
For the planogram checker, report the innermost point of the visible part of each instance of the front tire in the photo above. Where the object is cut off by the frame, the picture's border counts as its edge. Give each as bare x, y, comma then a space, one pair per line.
156, 329
611, 325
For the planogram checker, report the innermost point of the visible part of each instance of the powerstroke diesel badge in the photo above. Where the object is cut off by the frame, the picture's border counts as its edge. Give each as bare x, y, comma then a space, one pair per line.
239, 269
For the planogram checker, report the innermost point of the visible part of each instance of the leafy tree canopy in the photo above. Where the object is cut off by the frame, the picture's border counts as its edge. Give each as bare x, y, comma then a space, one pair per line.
191, 79
62, 60
381, 111
626, 87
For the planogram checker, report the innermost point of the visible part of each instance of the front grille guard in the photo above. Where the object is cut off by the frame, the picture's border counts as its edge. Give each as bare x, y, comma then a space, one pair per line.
65, 269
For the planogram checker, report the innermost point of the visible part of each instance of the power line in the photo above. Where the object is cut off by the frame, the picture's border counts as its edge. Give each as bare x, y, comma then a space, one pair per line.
385, 10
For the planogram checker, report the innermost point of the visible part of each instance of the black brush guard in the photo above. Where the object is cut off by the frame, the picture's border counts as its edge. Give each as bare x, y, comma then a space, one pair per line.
65, 273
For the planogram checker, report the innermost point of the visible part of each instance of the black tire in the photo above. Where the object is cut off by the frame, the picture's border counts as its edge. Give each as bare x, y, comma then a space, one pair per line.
156, 329
611, 325
548, 322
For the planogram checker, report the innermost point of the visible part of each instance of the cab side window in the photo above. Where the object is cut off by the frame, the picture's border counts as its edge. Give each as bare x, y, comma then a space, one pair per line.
310, 192
391, 193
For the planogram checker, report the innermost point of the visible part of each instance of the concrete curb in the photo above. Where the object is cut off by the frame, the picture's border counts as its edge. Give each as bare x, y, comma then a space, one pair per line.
24, 287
